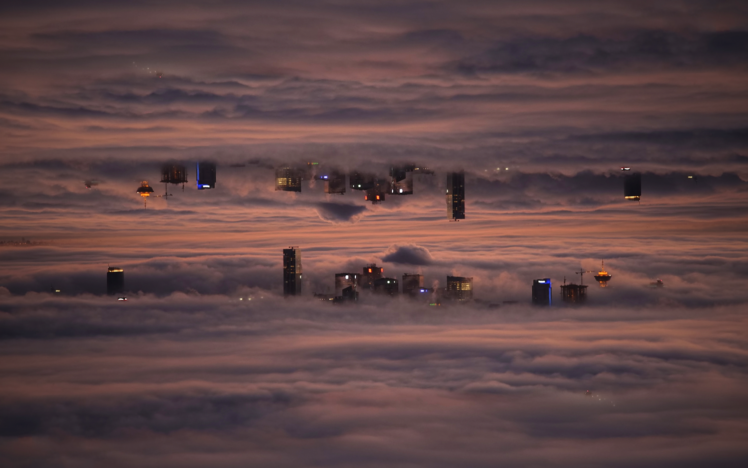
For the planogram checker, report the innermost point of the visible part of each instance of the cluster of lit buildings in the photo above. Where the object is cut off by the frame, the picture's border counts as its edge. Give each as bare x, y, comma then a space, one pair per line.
176, 174
372, 280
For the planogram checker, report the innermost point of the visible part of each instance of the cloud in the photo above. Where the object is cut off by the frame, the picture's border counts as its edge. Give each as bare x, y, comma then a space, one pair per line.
340, 212
408, 255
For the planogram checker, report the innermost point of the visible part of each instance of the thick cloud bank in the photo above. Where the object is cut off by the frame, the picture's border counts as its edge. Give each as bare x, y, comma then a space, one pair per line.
204, 381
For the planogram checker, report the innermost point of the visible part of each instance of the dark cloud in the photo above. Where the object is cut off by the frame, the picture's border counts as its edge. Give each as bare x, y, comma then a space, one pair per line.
339, 212
408, 255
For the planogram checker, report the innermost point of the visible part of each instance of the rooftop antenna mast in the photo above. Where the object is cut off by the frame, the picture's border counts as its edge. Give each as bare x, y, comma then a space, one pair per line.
581, 273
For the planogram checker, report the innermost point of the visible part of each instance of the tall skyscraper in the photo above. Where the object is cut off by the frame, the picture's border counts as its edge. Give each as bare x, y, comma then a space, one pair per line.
206, 175
371, 273
459, 288
115, 281
542, 294
455, 196
362, 181
173, 174
632, 184
292, 271
346, 280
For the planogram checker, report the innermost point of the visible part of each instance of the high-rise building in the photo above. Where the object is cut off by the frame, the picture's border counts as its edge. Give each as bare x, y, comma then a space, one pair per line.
362, 181
401, 180
346, 280
334, 182
287, 179
348, 294
574, 293
115, 281
206, 175
455, 196
603, 276
632, 184
542, 293
292, 271
412, 284
459, 288
371, 273
386, 286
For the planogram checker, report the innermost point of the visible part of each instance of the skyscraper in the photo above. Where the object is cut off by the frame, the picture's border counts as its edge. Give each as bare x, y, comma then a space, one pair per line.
173, 174
455, 196
334, 182
206, 175
542, 293
459, 288
371, 273
632, 184
115, 281
292, 271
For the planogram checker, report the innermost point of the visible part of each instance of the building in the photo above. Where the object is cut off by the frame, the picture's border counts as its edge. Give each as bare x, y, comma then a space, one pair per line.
362, 181
412, 284
542, 293
144, 191
174, 174
292, 271
371, 273
455, 196
346, 280
206, 175
322, 297
386, 286
348, 294
459, 288
632, 184
334, 182
287, 179
574, 293
401, 180
115, 281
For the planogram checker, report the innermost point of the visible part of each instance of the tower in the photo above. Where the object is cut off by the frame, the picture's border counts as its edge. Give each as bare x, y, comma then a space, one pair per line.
206, 175
371, 273
455, 196
115, 281
292, 271
542, 293
412, 284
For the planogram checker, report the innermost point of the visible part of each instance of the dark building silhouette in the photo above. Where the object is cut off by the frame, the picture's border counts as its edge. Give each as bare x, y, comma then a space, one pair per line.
322, 297
574, 293
412, 284
632, 184
386, 286
206, 175
345, 280
542, 293
401, 180
173, 174
375, 195
348, 294
455, 196
459, 288
292, 271
334, 182
362, 181
115, 281
288, 179
371, 273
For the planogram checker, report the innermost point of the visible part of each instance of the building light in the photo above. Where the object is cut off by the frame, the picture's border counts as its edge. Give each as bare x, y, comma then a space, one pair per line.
346, 276
369, 270
401, 190
541, 281
206, 186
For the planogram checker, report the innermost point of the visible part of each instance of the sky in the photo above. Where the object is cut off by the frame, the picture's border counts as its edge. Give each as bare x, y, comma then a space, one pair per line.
540, 103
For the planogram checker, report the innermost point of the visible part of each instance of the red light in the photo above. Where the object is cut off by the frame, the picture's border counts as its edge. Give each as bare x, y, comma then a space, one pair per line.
369, 270
377, 197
